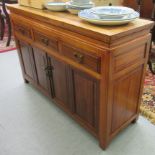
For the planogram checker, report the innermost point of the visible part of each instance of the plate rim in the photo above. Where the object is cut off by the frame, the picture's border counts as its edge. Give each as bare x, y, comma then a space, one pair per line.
98, 7
110, 23
80, 6
110, 20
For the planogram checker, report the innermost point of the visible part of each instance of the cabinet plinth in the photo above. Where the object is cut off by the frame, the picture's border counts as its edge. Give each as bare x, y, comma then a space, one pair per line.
94, 73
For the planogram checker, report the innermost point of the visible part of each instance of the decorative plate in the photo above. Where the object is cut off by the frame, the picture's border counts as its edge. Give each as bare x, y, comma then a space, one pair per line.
56, 6
95, 19
112, 10
89, 5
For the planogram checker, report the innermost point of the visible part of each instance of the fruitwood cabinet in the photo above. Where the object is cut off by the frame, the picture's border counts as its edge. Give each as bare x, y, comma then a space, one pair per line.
94, 73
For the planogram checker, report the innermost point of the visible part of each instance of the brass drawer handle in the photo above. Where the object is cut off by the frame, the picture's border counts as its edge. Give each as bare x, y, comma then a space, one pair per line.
45, 41
22, 31
79, 57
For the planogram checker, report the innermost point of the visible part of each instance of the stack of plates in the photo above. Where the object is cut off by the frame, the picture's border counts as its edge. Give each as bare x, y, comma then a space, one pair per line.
74, 6
109, 15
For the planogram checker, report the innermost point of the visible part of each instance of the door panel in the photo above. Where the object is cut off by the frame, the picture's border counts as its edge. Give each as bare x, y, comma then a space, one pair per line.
85, 90
59, 81
44, 80
27, 59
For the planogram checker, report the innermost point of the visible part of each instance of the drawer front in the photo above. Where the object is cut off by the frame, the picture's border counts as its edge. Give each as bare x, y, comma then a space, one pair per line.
23, 30
46, 41
88, 60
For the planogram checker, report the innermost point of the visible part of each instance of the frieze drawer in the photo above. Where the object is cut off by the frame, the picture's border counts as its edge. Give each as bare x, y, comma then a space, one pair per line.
91, 61
23, 30
45, 41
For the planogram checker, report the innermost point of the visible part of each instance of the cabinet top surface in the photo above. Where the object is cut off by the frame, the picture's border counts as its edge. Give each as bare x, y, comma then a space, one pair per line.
74, 23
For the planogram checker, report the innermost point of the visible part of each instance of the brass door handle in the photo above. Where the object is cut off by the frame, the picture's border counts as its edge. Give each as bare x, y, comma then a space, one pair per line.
79, 57
48, 70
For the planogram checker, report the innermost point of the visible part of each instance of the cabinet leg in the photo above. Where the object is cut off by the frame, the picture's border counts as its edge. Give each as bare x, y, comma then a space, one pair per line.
103, 144
135, 120
26, 81
103, 147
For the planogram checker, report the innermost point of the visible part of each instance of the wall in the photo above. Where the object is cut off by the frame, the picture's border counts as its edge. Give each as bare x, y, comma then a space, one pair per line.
97, 2
106, 2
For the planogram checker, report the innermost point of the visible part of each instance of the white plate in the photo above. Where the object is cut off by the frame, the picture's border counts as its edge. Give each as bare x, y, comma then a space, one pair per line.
90, 5
73, 11
112, 11
80, 2
108, 23
56, 6
87, 15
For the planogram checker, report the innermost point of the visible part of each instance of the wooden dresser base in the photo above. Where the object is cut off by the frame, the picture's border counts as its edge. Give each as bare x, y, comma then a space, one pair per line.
93, 73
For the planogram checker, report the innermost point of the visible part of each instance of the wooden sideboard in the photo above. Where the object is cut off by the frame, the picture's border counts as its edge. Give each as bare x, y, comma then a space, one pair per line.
94, 73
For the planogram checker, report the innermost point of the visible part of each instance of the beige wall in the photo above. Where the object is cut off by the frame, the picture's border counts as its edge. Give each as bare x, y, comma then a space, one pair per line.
106, 2
97, 2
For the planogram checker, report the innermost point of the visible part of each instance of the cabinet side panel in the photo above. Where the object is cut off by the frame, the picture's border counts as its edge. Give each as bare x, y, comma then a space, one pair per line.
129, 64
126, 98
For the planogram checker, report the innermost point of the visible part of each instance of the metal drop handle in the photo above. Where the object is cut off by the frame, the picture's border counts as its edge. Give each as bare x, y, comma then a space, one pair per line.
79, 57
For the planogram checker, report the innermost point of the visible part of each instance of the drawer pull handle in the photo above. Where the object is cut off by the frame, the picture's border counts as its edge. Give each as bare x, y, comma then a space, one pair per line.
45, 41
22, 31
79, 57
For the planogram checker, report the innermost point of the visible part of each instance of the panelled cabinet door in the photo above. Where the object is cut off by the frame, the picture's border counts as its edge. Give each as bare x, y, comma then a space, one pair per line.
27, 60
85, 97
42, 69
60, 81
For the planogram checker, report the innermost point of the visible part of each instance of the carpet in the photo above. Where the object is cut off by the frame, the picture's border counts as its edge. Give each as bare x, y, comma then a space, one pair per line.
3, 47
147, 108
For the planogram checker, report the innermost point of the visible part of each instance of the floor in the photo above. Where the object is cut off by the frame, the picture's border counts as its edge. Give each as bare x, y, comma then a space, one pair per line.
31, 125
